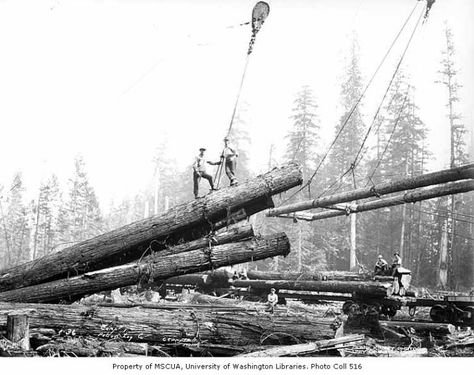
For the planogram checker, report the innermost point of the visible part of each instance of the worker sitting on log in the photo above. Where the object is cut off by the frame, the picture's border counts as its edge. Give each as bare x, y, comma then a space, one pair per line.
229, 156
381, 267
396, 263
272, 300
199, 170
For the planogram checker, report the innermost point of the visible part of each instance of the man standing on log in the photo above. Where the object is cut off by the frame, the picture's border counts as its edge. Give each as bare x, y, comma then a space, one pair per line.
229, 156
396, 263
381, 266
199, 170
272, 300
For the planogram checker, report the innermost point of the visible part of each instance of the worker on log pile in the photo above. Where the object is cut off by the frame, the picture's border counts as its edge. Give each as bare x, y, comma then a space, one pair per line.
229, 157
396, 263
272, 300
381, 266
199, 170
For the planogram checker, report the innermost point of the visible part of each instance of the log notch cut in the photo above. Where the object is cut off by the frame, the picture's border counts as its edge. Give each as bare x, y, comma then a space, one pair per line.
368, 287
315, 276
18, 329
179, 325
184, 222
439, 177
153, 267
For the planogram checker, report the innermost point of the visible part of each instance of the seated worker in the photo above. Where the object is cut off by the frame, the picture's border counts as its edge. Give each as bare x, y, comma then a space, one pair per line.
381, 266
272, 300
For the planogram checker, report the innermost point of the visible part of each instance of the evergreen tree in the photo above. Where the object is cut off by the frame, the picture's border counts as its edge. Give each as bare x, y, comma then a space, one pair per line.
45, 212
460, 257
82, 218
16, 224
341, 168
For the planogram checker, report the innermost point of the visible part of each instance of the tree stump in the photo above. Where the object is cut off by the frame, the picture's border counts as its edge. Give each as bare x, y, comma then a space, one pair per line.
18, 330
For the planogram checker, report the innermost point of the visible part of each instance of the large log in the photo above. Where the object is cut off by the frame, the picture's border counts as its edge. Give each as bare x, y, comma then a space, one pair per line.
152, 267
316, 276
310, 347
367, 287
184, 222
166, 327
439, 177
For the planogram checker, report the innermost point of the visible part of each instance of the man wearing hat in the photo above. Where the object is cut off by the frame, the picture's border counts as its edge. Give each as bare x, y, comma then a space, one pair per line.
230, 159
272, 300
199, 170
396, 263
381, 266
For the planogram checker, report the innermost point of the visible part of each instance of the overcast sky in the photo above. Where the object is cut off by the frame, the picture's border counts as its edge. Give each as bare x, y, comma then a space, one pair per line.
112, 79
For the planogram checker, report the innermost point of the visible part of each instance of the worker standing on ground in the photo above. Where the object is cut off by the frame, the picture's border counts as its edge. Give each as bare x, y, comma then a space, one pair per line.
272, 300
396, 263
199, 170
229, 156
381, 266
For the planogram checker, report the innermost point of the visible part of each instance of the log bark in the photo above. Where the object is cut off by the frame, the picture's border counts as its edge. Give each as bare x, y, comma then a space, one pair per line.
409, 197
439, 177
91, 347
423, 328
185, 326
153, 267
310, 347
18, 330
370, 288
316, 276
184, 222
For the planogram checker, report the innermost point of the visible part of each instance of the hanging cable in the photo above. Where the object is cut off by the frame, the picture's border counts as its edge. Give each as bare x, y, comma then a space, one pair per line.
356, 161
354, 107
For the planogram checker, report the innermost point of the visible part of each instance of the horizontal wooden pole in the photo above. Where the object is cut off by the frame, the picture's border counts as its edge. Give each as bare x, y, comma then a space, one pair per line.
409, 197
439, 177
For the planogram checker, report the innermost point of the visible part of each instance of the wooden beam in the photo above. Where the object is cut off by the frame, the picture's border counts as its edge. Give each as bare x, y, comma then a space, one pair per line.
409, 197
439, 177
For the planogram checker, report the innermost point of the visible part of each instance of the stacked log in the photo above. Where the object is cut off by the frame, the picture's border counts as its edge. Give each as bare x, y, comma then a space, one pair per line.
168, 327
155, 267
314, 276
185, 222
367, 288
